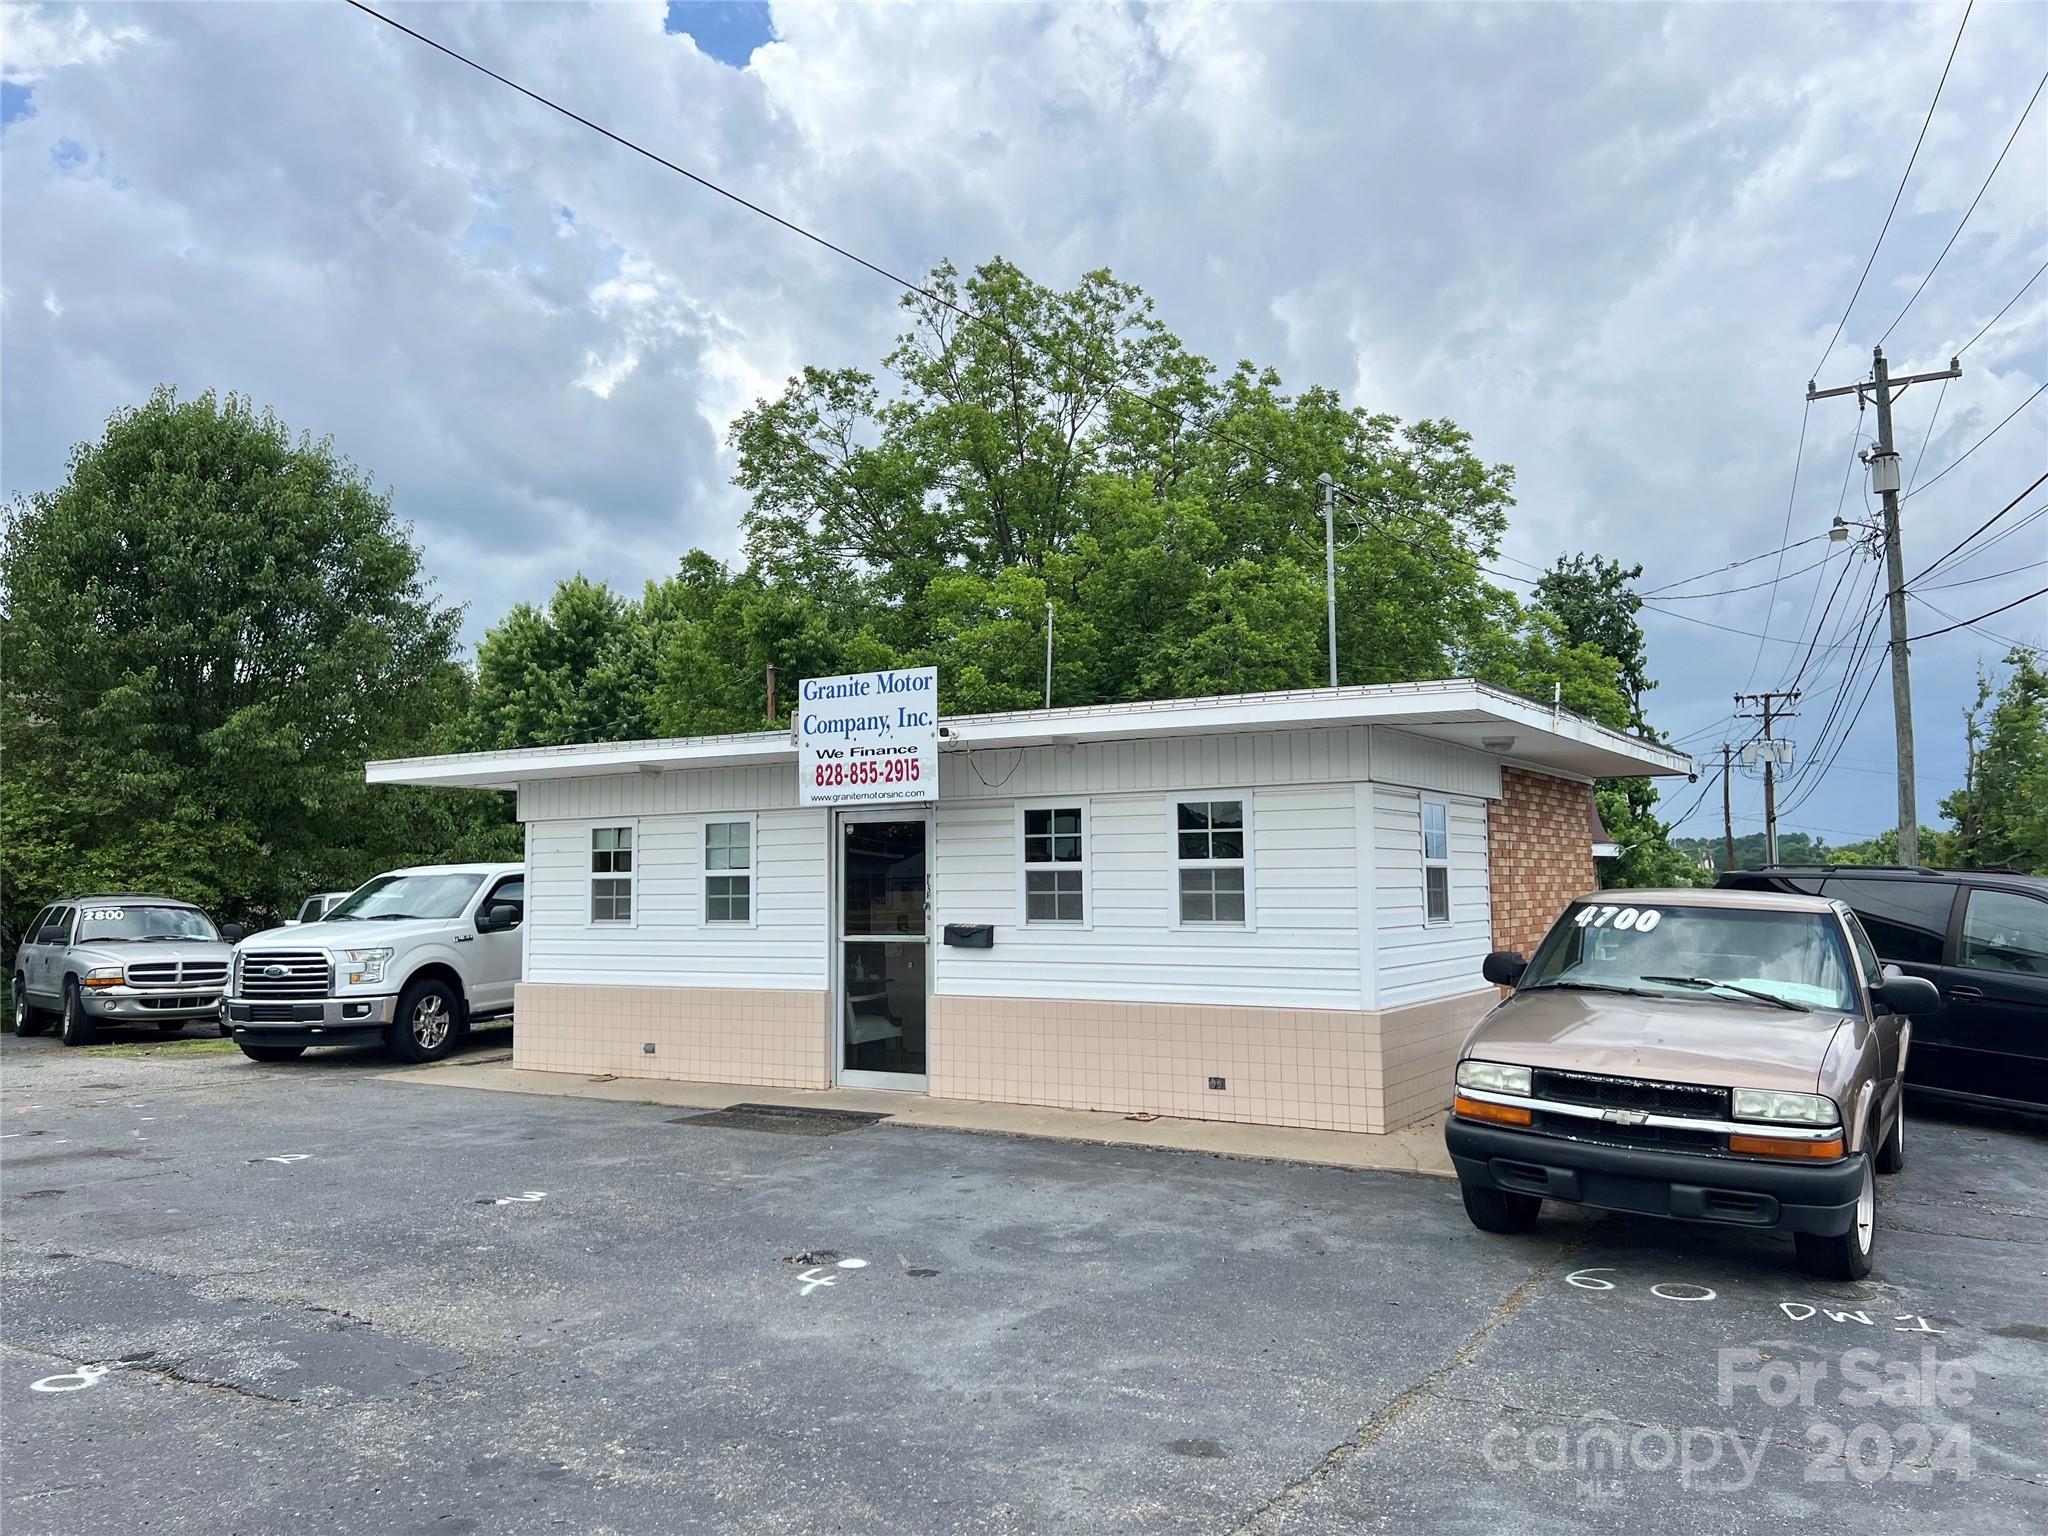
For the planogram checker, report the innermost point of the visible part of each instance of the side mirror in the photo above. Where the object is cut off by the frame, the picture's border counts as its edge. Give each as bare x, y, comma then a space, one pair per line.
233, 933
1504, 968
1909, 996
497, 916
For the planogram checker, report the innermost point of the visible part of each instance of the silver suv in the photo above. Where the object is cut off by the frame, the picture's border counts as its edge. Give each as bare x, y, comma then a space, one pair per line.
120, 958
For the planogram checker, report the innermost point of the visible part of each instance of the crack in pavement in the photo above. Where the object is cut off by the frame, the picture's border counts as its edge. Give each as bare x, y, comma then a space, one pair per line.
147, 1365
1270, 1516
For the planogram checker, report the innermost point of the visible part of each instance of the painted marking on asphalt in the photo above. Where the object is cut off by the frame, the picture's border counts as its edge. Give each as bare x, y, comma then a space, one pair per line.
1664, 1288
284, 1157
85, 1376
816, 1278
530, 1196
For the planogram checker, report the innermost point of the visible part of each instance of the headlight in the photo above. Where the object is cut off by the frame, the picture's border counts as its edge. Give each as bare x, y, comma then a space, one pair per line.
365, 966
1493, 1077
105, 976
1785, 1108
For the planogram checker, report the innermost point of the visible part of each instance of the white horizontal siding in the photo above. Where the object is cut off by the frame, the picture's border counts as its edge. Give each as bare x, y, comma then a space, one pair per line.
1242, 759
1415, 962
1301, 952
1416, 762
659, 794
669, 943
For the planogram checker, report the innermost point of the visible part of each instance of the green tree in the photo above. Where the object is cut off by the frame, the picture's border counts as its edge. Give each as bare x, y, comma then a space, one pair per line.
1594, 607
1594, 598
2001, 814
208, 627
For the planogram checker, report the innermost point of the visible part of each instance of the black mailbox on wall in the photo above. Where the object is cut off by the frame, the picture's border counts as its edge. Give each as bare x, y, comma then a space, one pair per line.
971, 935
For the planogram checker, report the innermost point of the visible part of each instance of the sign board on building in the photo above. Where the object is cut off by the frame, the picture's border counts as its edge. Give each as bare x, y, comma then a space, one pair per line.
871, 738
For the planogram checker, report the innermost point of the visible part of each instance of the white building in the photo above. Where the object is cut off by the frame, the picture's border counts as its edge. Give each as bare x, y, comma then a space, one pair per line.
1267, 908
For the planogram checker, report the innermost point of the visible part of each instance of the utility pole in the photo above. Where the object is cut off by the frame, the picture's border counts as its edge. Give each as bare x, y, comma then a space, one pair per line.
1727, 810
1772, 704
1883, 459
1330, 564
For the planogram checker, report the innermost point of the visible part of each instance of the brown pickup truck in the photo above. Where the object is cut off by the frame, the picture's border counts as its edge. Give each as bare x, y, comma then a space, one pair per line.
1719, 1056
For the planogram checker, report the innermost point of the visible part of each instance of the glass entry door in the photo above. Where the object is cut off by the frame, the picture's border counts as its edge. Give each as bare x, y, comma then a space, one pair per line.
884, 949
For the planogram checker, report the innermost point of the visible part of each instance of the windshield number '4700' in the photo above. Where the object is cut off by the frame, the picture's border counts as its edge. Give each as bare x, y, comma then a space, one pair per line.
1625, 919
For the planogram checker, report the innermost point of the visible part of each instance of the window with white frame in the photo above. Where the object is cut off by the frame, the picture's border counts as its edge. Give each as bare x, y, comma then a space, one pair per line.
611, 874
1436, 862
1209, 849
1055, 864
728, 871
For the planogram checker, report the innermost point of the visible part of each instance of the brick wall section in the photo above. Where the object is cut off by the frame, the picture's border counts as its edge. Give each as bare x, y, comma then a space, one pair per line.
1540, 852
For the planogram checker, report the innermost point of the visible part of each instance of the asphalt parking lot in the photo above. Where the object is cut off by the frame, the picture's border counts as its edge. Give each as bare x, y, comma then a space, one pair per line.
252, 1299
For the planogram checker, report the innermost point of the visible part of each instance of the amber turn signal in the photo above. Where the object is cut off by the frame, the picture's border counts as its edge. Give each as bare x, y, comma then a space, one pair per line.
1500, 1114
1775, 1146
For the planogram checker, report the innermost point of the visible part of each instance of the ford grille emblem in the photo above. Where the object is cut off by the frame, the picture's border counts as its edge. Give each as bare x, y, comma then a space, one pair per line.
273, 970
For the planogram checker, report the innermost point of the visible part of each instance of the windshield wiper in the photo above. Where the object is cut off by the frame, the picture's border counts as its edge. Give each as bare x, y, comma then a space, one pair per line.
395, 917
1585, 986
1729, 986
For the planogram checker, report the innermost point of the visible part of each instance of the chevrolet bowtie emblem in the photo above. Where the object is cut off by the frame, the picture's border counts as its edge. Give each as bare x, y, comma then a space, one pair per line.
1624, 1117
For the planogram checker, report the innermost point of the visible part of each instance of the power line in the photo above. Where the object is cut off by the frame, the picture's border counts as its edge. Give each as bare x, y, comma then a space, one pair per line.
1976, 629
2016, 127
2008, 304
1733, 565
1977, 551
1747, 634
1992, 614
1926, 438
1771, 604
1994, 517
1983, 440
967, 316
1971, 581
1848, 729
1687, 597
1903, 179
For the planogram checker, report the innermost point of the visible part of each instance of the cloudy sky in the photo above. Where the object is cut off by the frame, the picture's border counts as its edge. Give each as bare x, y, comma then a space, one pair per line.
1613, 242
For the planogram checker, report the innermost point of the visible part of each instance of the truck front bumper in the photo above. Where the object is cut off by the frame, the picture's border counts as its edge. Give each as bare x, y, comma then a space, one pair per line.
1690, 1186
312, 1021
132, 1005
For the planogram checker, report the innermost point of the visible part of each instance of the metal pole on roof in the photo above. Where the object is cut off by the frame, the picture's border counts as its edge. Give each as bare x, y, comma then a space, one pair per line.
1048, 653
1330, 564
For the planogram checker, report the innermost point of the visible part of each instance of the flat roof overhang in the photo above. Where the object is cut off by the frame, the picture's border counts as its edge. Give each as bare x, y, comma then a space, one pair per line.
1459, 712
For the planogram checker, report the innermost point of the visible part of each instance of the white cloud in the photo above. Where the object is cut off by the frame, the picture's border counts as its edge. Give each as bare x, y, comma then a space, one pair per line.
36, 40
1610, 242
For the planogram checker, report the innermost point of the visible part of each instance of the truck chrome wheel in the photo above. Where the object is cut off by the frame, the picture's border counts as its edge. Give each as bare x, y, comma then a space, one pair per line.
430, 1021
1866, 1212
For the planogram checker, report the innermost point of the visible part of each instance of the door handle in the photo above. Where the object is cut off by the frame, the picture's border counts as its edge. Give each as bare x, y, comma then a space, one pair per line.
1965, 992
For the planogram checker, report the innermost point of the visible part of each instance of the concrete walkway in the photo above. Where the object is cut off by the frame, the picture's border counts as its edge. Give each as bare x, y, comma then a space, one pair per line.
1415, 1149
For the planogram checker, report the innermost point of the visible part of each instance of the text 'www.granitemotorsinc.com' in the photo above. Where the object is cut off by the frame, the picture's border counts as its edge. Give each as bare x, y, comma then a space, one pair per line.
1858, 1418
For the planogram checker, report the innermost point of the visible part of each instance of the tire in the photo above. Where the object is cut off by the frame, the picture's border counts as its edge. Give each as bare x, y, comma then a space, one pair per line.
272, 1052
1891, 1152
1847, 1256
1494, 1210
28, 1019
77, 1027
429, 1021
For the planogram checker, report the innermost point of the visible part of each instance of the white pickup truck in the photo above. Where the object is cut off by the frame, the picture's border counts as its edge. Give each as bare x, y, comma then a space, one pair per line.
412, 958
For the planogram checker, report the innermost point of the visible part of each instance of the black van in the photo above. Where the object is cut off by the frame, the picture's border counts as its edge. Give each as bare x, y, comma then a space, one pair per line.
1981, 938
